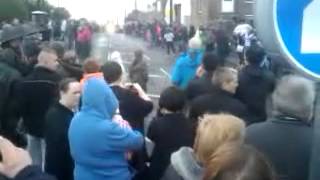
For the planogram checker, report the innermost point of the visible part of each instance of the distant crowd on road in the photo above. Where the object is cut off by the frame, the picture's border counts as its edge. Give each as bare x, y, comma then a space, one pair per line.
64, 120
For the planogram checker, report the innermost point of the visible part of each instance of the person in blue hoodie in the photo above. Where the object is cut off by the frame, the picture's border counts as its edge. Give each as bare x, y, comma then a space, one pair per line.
187, 64
98, 145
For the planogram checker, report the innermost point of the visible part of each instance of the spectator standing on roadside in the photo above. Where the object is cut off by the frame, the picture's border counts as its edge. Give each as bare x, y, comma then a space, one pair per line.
256, 84
163, 129
129, 95
37, 92
138, 70
98, 144
213, 132
169, 39
286, 137
222, 99
58, 161
202, 84
186, 65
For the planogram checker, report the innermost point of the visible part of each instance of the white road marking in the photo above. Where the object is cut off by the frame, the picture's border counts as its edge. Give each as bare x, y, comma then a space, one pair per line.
154, 96
155, 76
147, 57
165, 73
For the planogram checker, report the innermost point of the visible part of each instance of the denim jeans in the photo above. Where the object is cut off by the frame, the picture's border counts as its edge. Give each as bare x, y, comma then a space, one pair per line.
36, 148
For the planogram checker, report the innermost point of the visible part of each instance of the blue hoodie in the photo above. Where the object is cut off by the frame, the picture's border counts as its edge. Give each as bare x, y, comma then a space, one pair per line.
97, 144
185, 68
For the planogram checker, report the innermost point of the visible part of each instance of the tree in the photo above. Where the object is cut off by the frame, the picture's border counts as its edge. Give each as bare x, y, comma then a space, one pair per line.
60, 13
10, 9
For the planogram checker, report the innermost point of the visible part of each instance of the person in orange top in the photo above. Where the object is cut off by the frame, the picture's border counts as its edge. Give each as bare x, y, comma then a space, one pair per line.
91, 68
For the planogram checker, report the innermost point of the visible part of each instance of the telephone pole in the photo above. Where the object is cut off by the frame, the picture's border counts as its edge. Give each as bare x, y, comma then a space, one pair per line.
171, 12
135, 5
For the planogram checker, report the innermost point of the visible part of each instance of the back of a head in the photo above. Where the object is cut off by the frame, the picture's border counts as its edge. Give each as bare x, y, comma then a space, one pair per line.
70, 56
59, 48
172, 99
234, 161
138, 54
43, 55
210, 62
255, 54
91, 65
112, 71
294, 96
215, 130
223, 75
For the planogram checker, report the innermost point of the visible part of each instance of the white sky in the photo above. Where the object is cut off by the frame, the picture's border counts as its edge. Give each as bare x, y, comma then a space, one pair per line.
100, 10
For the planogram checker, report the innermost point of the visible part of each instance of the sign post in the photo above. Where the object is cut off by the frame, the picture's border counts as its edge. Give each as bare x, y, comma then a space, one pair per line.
292, 29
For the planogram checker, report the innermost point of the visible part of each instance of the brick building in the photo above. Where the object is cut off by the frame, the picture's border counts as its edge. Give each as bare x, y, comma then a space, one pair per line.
204, 12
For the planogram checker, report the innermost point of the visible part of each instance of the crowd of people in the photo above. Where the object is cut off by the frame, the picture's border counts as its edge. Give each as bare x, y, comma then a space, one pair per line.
62, 121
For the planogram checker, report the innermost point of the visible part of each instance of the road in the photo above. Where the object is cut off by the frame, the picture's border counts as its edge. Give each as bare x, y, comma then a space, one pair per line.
158, 61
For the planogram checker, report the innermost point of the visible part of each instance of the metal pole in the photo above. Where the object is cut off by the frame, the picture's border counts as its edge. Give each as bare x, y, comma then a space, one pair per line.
315, 158
135, 5
171, 12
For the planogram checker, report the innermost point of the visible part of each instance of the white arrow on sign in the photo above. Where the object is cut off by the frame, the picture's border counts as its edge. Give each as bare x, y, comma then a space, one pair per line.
310, 40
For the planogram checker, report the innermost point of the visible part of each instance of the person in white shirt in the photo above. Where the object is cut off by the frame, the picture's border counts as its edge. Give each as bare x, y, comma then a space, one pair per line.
169, 38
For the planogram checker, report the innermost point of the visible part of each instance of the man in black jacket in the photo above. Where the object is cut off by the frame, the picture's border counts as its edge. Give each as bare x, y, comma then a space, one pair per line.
58, 118
37, 92
286, 138
220, 100
255, 84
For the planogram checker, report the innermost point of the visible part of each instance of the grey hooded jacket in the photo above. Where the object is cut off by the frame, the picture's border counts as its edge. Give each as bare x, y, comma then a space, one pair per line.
184, 166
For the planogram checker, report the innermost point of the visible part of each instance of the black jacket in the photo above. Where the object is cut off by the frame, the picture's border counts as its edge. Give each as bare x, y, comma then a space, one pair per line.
287, 143
218, 101
255, 86
199, 86
37, 92
9, 76
33, 173
58, 159
70, 70
132, 108
163, 132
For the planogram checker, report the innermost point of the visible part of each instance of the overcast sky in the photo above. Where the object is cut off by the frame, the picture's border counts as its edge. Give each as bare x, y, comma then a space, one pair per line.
100, 10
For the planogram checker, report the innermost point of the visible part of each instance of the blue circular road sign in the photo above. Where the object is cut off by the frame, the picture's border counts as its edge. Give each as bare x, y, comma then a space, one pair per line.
292, 28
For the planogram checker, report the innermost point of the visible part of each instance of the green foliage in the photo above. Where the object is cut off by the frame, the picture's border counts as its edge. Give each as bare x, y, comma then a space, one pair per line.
60, 13
10, 9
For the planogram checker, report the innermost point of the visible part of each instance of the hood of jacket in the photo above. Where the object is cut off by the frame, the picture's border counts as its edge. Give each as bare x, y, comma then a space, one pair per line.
98, 98
192, 58
186, 165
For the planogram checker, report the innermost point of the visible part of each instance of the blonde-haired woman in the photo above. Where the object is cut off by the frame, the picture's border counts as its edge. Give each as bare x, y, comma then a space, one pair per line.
213, 131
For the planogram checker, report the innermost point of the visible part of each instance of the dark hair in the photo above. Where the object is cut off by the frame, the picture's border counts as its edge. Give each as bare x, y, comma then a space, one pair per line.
64, 84
91, 65
255, 54
210, 62
172, 99
237, 161
111, 71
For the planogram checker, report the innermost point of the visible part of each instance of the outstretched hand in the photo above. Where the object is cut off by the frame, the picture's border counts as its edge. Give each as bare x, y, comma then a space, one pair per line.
14, 159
